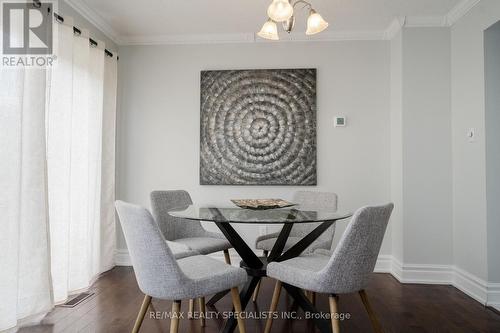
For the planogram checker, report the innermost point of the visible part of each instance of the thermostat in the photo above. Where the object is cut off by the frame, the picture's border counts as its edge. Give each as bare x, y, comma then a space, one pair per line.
340, 122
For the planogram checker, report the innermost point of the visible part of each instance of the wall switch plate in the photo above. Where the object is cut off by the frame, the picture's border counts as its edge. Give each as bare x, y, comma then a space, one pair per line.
340, 121
471, 134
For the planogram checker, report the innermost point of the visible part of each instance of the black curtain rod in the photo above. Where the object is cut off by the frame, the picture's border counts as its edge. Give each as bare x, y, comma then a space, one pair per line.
78, 32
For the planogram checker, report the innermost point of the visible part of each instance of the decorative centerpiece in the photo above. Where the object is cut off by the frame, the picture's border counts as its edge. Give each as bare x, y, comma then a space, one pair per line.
262, 204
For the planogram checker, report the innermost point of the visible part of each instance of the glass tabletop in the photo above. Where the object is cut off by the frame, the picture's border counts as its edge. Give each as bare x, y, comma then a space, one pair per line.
239, 215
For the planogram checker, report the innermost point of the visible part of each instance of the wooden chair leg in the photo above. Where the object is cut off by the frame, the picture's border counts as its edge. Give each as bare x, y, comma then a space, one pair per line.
235, 294
257, 288
174, 320
227, 258
202, 311
142, 312
311, 296
274, 306
308, 295
334, 313
373, 318
256, 291
191, 309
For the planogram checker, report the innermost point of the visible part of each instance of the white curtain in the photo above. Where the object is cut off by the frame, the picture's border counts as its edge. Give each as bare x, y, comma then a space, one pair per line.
57, 131
25, 287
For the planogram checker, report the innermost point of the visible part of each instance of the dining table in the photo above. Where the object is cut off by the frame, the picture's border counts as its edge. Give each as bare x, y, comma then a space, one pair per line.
254, 265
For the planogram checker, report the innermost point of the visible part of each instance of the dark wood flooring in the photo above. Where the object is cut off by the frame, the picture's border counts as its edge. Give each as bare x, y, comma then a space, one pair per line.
400, 308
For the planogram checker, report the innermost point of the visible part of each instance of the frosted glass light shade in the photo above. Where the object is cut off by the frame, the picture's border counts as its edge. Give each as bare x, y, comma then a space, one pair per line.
315, 23
280, 10
269, 30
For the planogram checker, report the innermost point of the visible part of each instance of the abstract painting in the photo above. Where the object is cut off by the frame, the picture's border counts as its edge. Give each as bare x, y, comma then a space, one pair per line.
258, 127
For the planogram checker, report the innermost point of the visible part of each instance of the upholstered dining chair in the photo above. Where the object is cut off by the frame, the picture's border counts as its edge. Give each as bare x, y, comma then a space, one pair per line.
307, 200
180, 251
187, 234
183, 234
347, 270
161, 276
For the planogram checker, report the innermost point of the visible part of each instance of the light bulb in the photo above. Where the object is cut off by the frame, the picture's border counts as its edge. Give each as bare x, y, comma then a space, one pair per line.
280, 10
315, 23
269, 30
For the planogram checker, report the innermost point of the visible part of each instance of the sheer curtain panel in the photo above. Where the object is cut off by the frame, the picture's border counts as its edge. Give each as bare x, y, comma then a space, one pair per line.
57, 149
25, 287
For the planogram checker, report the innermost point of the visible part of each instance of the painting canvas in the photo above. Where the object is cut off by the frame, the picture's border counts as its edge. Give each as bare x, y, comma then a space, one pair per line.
258, 127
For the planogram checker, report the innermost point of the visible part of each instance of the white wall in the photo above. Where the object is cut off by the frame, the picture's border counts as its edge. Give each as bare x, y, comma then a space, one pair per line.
409, 105
427, 182
158, 125
469, 160
397, 225
492, 77
421, 146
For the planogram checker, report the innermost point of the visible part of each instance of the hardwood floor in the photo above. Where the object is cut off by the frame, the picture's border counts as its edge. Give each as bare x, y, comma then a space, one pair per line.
400, 308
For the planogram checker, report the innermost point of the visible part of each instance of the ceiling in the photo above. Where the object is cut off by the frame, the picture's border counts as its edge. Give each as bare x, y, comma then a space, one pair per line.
147, 21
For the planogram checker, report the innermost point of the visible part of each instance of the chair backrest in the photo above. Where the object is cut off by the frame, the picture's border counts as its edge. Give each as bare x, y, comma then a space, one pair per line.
155, 267
354, 258
322, 201
171, 227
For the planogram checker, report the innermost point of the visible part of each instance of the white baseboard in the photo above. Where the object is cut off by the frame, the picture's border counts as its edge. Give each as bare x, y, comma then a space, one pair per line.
384, 264
417, 273
471, 285
476, 288
494, 295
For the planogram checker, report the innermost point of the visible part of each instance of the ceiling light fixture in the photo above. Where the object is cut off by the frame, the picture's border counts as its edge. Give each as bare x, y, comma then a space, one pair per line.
269, 30
315, 23
282, 11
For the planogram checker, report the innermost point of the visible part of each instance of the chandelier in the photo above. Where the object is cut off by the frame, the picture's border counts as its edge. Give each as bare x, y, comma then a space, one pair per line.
282, 11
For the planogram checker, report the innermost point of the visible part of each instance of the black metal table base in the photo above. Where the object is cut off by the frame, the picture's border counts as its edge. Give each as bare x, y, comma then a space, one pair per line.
303, 302
256, 267
215, 298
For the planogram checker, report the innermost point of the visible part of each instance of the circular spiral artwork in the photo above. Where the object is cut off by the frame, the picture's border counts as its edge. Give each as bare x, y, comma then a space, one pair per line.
258, 127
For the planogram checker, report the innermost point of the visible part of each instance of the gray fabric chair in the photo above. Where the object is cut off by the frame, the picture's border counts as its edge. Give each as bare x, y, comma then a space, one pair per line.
307, 200
161, 276
180, 251
325, 252
188, 234
347, 270
185, 237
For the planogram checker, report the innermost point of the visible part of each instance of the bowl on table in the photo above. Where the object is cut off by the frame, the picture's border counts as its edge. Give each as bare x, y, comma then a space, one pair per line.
262, 204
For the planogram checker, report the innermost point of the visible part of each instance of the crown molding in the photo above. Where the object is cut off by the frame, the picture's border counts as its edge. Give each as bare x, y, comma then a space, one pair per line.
425, 21
93, 17
448, 20
454, 15
328, 36
459, 11
248, 38
187, 39
396, 25
413, 22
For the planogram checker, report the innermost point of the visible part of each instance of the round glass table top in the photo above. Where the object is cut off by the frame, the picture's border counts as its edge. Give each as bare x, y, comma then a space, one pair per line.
239, 215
